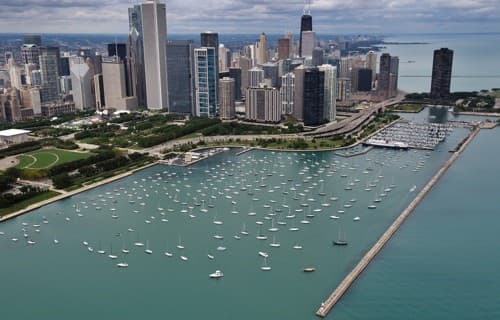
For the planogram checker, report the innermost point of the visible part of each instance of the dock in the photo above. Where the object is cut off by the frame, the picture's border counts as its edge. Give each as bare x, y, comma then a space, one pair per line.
245, 150
341, 289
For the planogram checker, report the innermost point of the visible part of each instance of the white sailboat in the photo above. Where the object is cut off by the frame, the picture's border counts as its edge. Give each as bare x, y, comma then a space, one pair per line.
148, 251
179, 244
264, 266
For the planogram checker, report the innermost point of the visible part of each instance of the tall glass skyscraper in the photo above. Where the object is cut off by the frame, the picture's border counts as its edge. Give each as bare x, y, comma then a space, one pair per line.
136, 56
441, 73
154, 35
49, 70
314, 95
306, 24
206, 78
180, 68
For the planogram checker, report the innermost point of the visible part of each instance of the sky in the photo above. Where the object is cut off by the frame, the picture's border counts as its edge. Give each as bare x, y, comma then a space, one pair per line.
255, 16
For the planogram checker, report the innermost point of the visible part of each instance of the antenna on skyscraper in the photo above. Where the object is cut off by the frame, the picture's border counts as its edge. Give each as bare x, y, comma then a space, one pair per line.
307, 7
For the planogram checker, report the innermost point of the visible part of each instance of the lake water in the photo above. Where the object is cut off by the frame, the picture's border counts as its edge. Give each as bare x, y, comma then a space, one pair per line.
443, 263
66, 281
475, 62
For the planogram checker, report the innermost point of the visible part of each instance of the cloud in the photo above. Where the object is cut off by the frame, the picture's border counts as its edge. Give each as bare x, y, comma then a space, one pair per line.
255, 16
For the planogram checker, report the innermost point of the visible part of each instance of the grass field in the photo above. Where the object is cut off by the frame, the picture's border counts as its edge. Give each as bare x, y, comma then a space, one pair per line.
46, 158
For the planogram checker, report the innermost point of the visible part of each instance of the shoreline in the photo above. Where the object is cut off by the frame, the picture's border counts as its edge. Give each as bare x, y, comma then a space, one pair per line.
72, 193
327, 305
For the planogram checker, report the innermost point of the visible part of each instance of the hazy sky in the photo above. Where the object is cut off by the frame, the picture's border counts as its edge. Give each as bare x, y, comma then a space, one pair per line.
255, 16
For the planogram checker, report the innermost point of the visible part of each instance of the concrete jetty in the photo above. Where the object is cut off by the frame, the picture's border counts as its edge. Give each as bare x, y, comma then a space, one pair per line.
329, 303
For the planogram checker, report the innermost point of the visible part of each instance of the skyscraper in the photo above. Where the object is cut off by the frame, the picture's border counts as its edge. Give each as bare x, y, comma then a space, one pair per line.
364, 83
114, 85
287, 93
314, 95
271, 71
283, 48
120, 50
245, 65
206, 79
371, 63
393, 77
154, 25
227, 98
209, 39
81, 82
49, 68
30, 54
263, 104
235, 73
136, 56
441, 73
305, 25
383, 84
298, 99
34, 39
255, 77
330, 97
262, 49
308, 43
317, 56
180, 69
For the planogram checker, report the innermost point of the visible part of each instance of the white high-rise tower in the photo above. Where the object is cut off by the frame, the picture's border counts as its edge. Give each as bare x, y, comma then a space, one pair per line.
154, 32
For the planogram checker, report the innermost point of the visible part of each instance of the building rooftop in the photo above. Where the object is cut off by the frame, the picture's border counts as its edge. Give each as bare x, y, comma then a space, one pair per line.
13, 132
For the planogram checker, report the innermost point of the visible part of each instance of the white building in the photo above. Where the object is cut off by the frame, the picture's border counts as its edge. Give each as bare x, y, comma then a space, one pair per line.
81, 82
154, 26
115, 92
287, 93
330, 97
255, 77
263, 104
13, 136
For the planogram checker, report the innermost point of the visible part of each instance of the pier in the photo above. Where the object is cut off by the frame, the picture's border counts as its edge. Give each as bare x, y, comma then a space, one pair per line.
341, 289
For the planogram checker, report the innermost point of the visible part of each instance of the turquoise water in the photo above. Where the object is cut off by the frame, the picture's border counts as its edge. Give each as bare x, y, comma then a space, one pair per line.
66, 281
443, 262
475, 56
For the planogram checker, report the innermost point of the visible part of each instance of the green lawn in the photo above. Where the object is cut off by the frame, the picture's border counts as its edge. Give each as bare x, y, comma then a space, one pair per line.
23, 204
46, 158
408, 107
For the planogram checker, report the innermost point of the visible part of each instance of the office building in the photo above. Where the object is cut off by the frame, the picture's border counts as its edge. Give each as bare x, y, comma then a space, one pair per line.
14, 74
283, 48
287, 93
364, 83
114, 86
441, 73
384, 76
224, 58
30, 54
263, 104
330, 92
318, 57
227, 100
371, 63
314, 95
65, 85
206, 79
137, 82
262, 49
49, 68
34, 39
64, 63
308, 44
81, 81
154, 26
245, 64
10, 105
235, 73
344, 90
393, 77
271, 72
298, 99
306, 24
180, 69
255, 77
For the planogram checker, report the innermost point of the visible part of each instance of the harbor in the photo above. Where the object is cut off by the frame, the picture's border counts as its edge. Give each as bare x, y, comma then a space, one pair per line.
337, 294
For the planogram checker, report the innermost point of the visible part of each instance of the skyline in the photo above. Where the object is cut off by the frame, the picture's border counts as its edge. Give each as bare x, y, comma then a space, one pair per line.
187, 17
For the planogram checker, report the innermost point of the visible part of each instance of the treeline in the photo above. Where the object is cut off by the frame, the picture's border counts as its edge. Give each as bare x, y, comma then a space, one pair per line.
99, 131
235, 128
167, 133
8, 178
26, 192
67, 174
37, 123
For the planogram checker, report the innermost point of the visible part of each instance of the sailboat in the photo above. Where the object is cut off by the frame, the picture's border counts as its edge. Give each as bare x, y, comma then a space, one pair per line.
100, 251
264, 266
179, 244
138, 243
260, 236
111, 255
244, 230
148, 251
341, 241
273, 228
297, 246
274, 244
124, 250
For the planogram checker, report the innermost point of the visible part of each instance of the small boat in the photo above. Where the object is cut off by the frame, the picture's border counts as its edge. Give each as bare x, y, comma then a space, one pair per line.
184, 258
179, 245
309, 269
211, 257
148, 251
357, 219
274, 244
122, 265
216, 275
340, 238
297, 246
